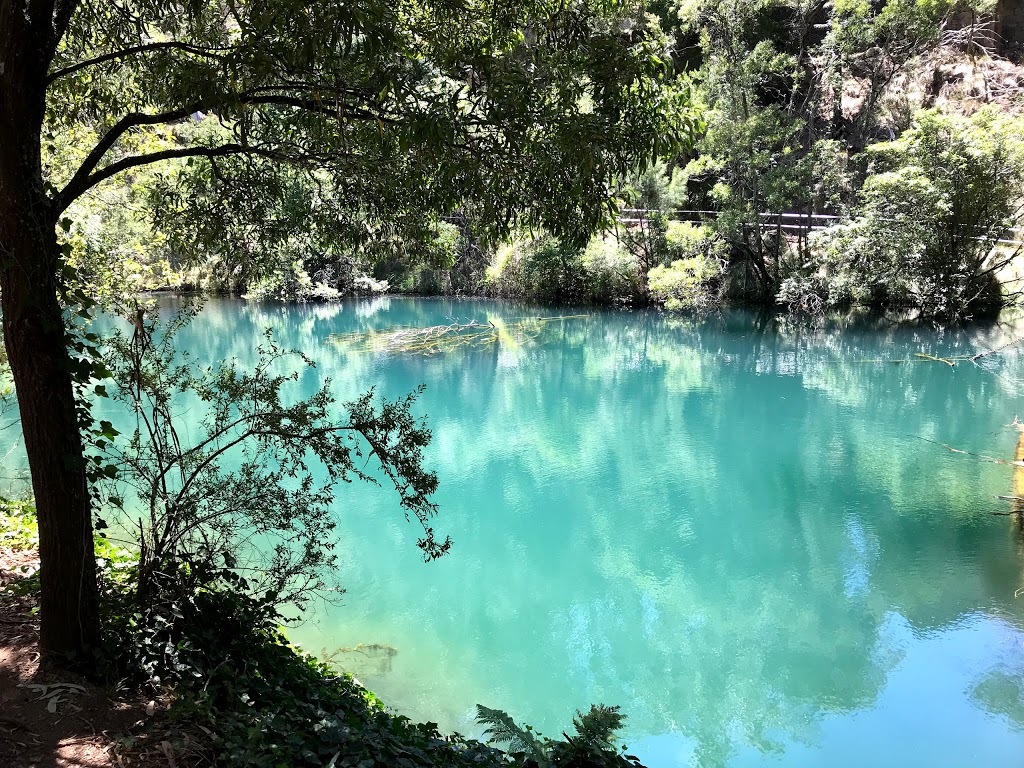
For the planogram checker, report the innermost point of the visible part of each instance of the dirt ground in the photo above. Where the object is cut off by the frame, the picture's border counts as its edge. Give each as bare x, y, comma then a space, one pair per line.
54, 719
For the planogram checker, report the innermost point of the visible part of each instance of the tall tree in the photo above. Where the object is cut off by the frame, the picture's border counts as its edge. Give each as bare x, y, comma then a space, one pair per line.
531, 109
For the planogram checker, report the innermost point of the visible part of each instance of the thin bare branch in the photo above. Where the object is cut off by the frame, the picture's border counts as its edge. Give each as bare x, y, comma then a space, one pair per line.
211, 53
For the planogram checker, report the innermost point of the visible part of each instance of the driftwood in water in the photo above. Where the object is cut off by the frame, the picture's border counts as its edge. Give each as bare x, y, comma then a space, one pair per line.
430, 340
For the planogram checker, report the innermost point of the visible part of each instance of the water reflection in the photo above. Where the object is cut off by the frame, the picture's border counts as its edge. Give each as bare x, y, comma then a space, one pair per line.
729, 526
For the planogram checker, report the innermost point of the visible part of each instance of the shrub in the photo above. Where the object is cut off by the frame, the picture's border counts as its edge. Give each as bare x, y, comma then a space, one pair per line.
263, 704
616, 269
685, 284
197, 506
18, 529
366, 285
690, 280
686, 240
290, 282
605, 272
593, 746
554, 271
539, 268
930, 212
804, 295
612, 273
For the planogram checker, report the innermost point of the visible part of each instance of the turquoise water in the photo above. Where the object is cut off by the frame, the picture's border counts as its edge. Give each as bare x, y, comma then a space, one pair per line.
730, 527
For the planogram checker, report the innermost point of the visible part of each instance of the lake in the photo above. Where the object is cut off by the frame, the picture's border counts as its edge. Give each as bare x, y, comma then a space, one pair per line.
747, 533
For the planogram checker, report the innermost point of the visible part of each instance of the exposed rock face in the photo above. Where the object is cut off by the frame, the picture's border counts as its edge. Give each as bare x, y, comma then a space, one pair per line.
1001, 33
1010, 24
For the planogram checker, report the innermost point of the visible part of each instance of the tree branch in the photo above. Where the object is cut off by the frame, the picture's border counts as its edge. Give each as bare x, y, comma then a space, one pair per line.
134, 161
80, 181
86, 176
145, 48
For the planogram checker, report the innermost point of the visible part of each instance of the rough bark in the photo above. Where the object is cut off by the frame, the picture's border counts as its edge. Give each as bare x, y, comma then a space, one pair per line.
34, 334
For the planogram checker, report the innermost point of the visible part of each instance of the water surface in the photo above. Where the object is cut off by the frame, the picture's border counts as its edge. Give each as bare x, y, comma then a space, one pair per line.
735, 529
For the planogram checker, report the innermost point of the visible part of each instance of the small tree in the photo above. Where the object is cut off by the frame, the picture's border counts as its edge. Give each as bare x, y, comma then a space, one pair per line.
931, 212
240, 492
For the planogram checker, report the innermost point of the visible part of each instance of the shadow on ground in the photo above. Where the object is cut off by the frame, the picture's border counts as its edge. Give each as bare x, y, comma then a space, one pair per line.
48, 719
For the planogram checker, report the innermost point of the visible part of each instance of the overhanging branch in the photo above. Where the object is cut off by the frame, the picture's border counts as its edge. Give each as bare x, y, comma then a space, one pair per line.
80, 182
87, 176
133, 161
211, 53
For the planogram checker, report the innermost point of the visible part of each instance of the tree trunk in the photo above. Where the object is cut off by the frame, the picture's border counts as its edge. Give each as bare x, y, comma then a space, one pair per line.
35, 337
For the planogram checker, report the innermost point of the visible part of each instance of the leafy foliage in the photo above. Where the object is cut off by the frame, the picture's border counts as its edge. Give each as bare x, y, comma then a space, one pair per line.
794, 91
592, 746
313, 129
547, 269
931, 211
18, 529
241, 493
502, 729
691, 279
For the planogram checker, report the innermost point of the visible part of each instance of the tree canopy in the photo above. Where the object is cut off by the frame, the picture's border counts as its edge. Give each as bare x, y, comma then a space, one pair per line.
530, 110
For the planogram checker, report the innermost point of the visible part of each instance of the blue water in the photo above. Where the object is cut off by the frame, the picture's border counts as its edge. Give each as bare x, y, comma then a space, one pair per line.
734, 528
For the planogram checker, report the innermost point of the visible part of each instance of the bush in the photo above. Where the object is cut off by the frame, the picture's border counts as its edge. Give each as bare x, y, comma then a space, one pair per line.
18, 529
690, 280
605, 272
290, 282
554, 271
685, 240
538, 268
366, 285
685, 284
930, 212
804, 295
195, 507
612, 273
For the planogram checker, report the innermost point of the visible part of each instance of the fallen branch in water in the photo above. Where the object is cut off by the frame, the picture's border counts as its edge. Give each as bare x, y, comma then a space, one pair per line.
948, 361
1007, 345
976, 455
432, 339
923, 357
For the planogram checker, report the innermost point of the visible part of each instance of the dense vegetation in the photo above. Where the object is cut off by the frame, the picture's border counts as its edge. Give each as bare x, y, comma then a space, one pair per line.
880, 116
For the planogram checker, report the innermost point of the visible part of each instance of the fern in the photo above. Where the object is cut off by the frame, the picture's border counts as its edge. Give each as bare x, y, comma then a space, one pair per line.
502, 729
597, 728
